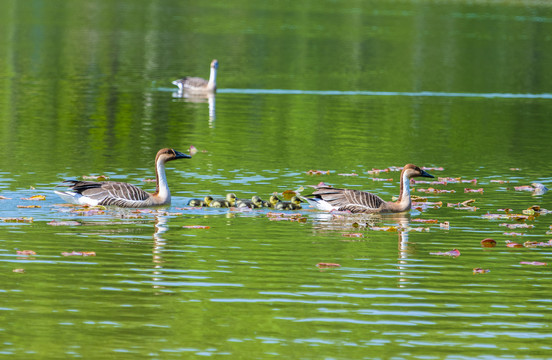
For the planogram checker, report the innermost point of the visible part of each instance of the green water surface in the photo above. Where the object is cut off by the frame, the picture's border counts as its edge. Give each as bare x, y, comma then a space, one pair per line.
460, 87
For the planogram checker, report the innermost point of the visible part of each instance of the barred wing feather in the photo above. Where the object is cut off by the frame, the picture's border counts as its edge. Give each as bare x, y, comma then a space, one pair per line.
354, 201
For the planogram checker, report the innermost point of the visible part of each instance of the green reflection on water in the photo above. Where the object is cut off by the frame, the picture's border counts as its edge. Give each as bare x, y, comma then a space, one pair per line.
83, 90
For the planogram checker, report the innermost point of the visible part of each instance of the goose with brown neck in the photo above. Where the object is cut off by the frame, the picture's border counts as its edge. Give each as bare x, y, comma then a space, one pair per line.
112, 193
328, 198
199, 85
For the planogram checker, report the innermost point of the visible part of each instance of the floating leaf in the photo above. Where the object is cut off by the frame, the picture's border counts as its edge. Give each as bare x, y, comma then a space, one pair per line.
523, 188
192, 150
500, 181
64, 223
453, 253
532, 244
436, 191
20, 271
427, 221
28, 206
196, 227
35, 197
26, 252
18, 220
513, 244
445, 225
288, 194
353, 235
518, 226
468, 190
79, 253
488, 243
513, 234
377, 171
537, 263
318, 172
350, 174
4, 198
515, 169
384, 228
480, 271
327, 265
149, 180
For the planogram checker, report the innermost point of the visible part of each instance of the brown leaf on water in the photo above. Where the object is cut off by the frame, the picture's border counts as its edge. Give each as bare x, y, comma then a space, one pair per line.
468, 190
480, 271
533, 244
18, 220
500, 181
79, 253
318, 172
353, 235
64, 223
453, 253
28, 206
513, 234
427, 221
435, 191
377, 171
19, 271
149, 180
26, 252
384, 228
428, 168
288, 194
524, 188
488, 243
515, 169
196, 227
323, 265
35, 197
536, 263
517, 226
350, 174
513, 244
445, 225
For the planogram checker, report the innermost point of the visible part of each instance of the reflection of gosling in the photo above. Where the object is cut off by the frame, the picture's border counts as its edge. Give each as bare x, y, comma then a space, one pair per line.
254, 203
294, 204
229, 201
197, 203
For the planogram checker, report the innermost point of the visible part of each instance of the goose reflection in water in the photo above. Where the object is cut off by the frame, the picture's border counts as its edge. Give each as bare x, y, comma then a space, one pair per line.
335, 222
209, 98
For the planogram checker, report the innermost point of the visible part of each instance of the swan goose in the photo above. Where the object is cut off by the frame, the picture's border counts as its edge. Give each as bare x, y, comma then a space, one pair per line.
123, 194
328, 198
197, 84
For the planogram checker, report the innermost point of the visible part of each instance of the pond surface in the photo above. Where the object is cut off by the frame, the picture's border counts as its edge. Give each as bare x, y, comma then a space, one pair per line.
459, 87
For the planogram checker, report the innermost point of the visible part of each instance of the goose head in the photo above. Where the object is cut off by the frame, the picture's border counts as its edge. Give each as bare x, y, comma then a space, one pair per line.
414, 171
231, 198
214, 64
170, 154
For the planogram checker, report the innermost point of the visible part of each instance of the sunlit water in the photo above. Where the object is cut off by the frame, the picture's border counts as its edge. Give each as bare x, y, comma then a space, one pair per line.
249, 284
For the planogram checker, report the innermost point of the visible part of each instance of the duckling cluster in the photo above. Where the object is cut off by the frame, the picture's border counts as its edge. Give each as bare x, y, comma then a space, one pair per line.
231, 200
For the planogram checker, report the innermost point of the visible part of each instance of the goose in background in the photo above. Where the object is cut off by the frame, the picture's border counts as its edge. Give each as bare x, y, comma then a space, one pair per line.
328, 198
199, 85
123, 194
294, 204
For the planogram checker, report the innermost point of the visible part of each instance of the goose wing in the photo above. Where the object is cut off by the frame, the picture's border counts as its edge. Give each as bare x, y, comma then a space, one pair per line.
354, 201
194, 83
110, 192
